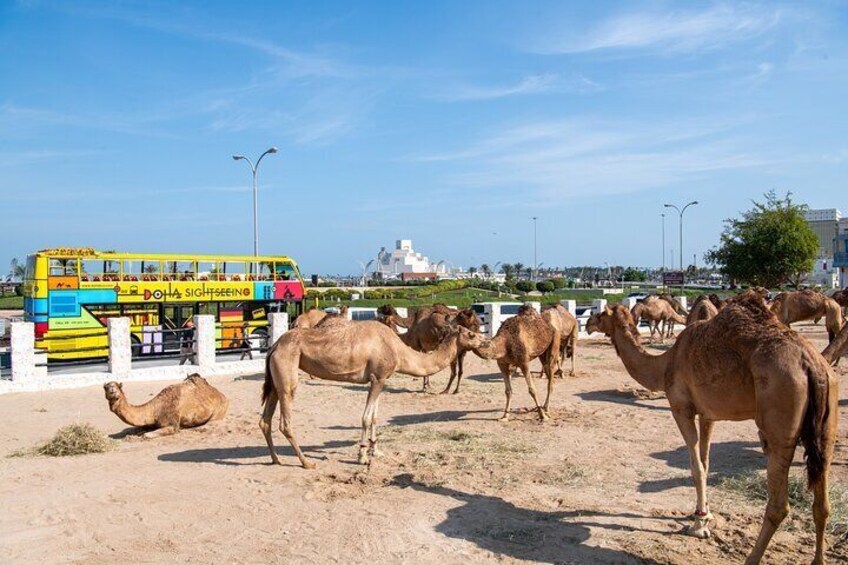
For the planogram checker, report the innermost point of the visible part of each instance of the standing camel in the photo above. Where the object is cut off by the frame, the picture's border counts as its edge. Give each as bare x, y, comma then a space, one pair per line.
742, 365
565, 324
654, 311
520, 339
309, 319
365, 352
841, 298
791, 307
837, 348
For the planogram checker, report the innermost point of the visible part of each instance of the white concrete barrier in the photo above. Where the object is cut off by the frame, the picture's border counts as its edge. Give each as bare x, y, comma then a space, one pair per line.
683, 302
570, 305
629, 302
496, 313
120, 349
24, 357
204, 340
598, 305
279, 326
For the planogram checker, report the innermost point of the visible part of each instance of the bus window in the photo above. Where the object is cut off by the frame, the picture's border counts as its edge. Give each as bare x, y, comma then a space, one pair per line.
234, 271
29, 274
208, 308
99, 270
260, 271
131, 270
180, 271
207, 271
284, 272
150, 270
63, 268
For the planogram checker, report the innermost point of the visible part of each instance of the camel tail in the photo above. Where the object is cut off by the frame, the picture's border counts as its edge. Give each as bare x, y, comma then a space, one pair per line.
268, 385
812, 430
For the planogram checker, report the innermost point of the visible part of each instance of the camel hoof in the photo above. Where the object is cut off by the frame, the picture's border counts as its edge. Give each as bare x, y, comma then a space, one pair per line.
455, 392
503, 419
308, 465
699, 528
363, 458
376, 453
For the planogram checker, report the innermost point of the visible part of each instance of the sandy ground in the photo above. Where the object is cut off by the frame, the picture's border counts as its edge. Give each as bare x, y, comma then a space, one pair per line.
606, 481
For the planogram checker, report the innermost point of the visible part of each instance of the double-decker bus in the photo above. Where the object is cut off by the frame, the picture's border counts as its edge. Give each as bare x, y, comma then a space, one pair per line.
70, 293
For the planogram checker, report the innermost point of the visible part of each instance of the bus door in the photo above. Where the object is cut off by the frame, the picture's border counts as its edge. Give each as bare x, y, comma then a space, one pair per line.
174, 317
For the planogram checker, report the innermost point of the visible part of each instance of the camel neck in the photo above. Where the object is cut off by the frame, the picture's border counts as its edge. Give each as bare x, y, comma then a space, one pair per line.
130, 414
838, 347
495, 350
646, 369
419, 364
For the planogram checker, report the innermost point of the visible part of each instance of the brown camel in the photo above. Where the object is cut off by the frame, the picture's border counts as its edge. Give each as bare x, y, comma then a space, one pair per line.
655, 310
424, 334
334, 319
365, 352
703, 309
791, 307
565, 324
717, 302
837, 348
841, 298
520, 339
309, 319
743, 364
189, 404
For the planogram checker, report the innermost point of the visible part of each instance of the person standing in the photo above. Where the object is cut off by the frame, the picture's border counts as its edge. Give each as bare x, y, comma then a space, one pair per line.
187, 339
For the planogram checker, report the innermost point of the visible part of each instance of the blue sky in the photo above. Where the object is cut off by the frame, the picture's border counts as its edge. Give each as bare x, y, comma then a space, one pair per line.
450, 123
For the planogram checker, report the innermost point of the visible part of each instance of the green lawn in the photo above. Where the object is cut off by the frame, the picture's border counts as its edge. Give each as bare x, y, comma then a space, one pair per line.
11, 302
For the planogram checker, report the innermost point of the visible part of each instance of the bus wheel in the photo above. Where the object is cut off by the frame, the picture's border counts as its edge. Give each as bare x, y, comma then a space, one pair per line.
135, 346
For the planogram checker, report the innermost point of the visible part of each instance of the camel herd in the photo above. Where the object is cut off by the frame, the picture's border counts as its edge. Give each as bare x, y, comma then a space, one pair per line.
735, 360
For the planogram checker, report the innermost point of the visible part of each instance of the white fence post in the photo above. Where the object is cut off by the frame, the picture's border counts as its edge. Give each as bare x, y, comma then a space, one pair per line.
120, 350
23, 352
570, 305
204, 340
683, 302
598, 305
279, 326
536, 305
629, 302
494, 318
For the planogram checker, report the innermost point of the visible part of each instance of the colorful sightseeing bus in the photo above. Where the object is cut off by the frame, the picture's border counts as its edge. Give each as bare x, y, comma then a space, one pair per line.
71, 292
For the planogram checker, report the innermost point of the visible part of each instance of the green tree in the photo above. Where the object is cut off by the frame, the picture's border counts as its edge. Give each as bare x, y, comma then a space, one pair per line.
519, 269
770, 245
545, 286
525, 286
633, 275
486, 270
17, 270
507, 269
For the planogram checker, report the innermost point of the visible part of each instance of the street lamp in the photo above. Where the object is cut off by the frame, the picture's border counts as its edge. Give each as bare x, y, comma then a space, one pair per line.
255, 208
680, 214
663, 249
535, 261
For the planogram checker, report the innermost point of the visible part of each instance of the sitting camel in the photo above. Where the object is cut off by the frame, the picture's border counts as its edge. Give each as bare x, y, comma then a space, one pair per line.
364, 352
189, 404
520, 339
655, 310
791, 307
742, 364
703, 309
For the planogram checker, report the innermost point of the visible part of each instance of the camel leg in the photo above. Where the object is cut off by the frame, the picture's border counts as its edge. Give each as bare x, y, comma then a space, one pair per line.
286, 423
426, 384
163, 431
460, 359
531, 387
373, 451
821, 512
266, 423
686, 424
506, 371
453, 367
550, 392
779, 460
367, 417
706, 432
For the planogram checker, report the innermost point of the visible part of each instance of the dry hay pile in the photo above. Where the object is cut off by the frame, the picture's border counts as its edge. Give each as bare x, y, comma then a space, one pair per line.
75, 439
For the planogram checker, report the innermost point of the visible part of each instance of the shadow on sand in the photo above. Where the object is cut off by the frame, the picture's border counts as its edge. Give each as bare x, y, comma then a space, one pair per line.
443, 416
234, 456
507, 530
623, 397
726, 459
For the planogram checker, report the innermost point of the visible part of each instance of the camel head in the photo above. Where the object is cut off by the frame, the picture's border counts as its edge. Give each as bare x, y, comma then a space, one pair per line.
386, 310
467, 318
468, 339
114, 391
607, 320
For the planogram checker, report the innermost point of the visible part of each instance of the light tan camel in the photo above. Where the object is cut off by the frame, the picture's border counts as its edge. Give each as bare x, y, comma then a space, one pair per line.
791, 307
742, 365
364, 352
702, 309
309, 319
668, 325
424, 334
565, 324
189, 404
521, 339
467, 318
654, 311
837, 348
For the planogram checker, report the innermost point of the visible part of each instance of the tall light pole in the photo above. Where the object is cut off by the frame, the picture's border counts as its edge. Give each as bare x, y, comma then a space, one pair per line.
535, 261
663, 247
255, 205
680, 215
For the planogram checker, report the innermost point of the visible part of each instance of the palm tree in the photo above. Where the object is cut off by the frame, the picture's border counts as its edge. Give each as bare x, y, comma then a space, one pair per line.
472, 271
486, 270
519, 268
17, 270
507, 269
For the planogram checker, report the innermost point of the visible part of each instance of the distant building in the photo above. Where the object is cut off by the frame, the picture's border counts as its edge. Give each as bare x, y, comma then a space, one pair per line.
825, 223
840, 252
404, 259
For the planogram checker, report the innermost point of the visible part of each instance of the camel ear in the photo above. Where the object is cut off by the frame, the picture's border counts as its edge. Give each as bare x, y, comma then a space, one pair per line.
121, 386
607, 309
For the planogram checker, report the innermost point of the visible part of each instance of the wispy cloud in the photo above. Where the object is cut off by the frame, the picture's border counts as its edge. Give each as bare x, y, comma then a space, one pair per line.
532, 84
26, 158
681, 31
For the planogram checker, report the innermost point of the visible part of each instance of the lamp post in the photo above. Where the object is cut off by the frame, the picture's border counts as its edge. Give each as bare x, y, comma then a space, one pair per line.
663, 249
255, 206
535, 261
680, 215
